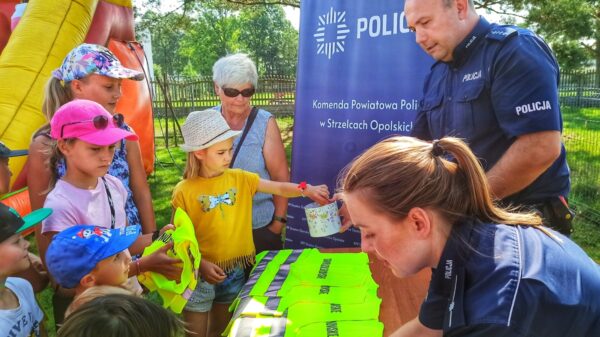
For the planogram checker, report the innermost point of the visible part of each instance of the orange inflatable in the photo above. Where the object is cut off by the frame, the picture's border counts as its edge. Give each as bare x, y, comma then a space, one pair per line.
19, 200
136, 102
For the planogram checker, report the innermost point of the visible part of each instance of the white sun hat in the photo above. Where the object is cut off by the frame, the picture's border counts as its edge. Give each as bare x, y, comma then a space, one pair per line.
205, 128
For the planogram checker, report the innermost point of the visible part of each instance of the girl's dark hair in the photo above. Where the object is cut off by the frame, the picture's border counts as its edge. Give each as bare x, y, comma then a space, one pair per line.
400, 173
119, 315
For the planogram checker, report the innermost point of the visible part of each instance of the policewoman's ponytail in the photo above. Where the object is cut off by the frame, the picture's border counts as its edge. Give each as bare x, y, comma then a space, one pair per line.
400, 173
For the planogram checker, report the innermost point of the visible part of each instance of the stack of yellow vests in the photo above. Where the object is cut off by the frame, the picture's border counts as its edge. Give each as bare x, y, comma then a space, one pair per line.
185, 247
297, 293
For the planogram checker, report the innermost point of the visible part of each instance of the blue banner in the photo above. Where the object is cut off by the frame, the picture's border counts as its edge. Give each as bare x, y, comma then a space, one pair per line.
360, 76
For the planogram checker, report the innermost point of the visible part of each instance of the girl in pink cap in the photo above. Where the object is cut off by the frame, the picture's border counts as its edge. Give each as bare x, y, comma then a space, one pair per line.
86, 136
91, 72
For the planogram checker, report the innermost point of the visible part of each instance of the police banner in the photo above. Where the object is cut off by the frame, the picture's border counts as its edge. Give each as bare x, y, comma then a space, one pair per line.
360, 76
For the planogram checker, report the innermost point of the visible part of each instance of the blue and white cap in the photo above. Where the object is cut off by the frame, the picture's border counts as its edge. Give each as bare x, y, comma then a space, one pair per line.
75, 252
88, 59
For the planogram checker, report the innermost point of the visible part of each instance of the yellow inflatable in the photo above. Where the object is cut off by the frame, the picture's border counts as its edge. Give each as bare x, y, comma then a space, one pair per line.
48, 30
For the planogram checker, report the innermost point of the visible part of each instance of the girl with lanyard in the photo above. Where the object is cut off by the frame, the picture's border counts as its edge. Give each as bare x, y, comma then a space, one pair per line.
86, 135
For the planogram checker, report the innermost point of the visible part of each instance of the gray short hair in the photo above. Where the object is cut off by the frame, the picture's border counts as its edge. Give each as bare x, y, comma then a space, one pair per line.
235, 69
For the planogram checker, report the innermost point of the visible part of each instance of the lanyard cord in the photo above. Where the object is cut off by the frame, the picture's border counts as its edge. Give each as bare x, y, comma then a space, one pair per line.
110, 203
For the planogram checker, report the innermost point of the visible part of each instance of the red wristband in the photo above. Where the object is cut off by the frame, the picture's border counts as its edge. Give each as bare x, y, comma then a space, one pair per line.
302, 187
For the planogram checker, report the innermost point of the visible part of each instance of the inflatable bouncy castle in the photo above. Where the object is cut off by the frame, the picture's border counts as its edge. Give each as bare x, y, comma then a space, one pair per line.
44, 32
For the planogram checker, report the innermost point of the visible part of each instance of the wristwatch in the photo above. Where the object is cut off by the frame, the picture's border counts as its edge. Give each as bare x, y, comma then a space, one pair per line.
155, 235
280, 219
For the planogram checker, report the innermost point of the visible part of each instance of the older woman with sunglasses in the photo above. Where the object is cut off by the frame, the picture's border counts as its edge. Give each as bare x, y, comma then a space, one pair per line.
262, 151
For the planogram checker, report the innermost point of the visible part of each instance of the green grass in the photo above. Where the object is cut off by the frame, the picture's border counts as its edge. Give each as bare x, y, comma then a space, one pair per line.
582, 140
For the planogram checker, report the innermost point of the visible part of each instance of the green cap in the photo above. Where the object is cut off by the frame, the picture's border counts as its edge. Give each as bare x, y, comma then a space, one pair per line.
12, 223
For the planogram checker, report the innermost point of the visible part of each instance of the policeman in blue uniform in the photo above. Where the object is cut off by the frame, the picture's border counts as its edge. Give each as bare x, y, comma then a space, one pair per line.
497, 88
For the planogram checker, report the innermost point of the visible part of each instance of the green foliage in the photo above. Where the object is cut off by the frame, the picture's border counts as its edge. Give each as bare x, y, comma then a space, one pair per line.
212, 34
188, 42
167, 32
270, 39
571, 27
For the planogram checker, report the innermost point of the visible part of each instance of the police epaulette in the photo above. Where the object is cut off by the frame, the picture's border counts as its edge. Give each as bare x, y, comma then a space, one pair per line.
500, 33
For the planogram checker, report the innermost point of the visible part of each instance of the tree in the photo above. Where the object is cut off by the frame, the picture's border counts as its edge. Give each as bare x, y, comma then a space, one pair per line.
188, 42
214, 33
571, 27
269, 38
166, 31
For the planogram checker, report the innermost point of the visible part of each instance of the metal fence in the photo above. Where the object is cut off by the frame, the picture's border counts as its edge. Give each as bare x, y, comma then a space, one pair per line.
580, 103
179, 96
580, 89
579, 98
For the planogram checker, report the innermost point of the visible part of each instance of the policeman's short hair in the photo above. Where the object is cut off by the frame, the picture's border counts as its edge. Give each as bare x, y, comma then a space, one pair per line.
448, 3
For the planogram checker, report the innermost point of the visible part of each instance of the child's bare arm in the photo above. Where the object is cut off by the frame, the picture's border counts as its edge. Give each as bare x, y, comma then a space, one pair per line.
139, 187
318, 193
43, 332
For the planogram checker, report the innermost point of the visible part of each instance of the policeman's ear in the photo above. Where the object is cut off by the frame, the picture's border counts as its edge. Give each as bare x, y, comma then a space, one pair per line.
462, 8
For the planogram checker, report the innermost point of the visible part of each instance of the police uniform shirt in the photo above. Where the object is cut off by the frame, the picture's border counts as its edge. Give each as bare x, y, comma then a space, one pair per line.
501, 84
499, 280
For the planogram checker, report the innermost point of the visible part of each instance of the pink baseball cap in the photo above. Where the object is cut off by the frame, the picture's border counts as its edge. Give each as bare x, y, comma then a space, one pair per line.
88, 121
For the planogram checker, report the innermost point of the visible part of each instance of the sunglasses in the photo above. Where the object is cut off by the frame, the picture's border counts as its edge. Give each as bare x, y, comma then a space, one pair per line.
100, 122
230, 92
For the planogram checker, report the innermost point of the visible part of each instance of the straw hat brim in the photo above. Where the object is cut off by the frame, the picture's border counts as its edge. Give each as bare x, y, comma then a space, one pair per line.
226, 135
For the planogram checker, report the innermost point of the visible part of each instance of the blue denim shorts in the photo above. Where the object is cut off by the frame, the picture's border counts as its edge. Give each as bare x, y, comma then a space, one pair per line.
223, 293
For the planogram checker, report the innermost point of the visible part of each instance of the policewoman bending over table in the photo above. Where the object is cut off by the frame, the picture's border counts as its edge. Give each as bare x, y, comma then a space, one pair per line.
497, 87
495, 272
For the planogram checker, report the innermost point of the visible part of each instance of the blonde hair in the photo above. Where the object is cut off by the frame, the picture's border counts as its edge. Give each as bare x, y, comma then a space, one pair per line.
54, 156
56, 94
93, 292
400, 173
192, 166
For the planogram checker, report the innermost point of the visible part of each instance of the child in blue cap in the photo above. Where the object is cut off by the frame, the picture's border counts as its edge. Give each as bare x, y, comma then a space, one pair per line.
84, 256
20, 315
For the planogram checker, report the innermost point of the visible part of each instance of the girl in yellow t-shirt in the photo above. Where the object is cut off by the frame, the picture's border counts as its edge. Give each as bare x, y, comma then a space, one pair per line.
219, 202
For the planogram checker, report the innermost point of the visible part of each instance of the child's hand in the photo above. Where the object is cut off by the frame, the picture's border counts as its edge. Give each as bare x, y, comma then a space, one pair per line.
319, 194
165, 228
160, 262
211, 273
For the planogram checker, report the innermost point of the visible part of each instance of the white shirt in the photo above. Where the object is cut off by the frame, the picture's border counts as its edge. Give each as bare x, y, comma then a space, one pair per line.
23, 321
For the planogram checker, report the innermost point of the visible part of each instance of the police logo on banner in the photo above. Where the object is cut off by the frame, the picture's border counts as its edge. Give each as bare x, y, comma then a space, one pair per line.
336, 21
